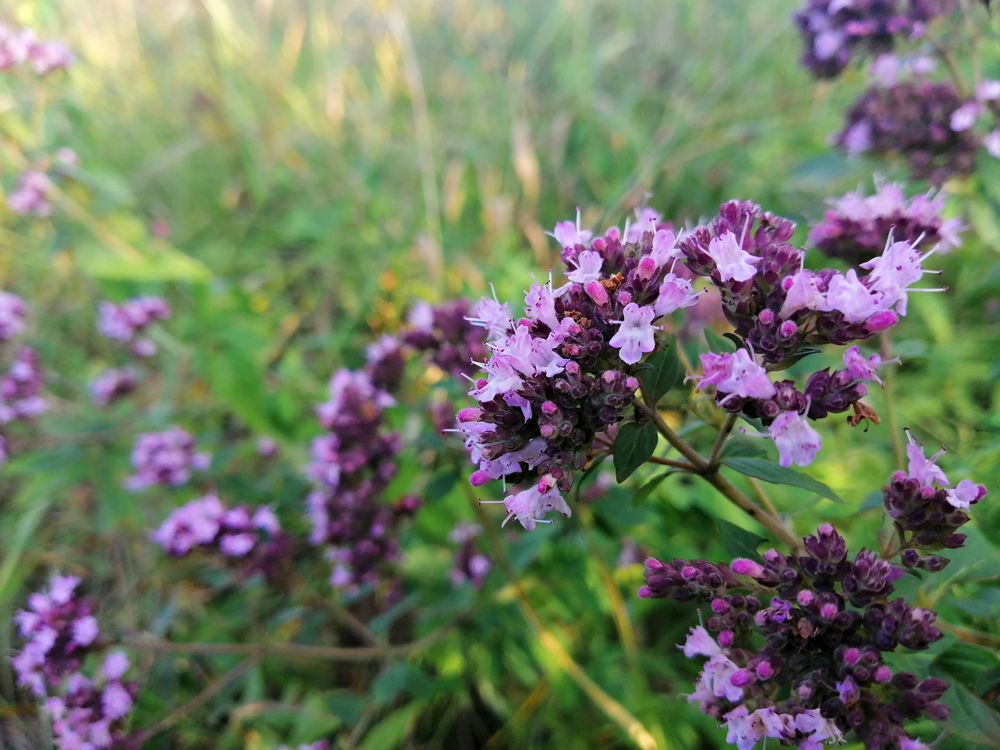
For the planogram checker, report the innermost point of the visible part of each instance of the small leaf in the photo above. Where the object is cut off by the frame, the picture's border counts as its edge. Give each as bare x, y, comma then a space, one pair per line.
771, 472
971, 718
643, 493
738, 541
662, 374
634, 444
717, 343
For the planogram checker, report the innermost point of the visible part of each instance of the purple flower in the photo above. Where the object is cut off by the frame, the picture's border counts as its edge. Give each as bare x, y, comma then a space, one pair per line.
924, 470
912, 120
20, 389
857, 226
469, 563
450, 334
493, 316
736, 374
166, 458
860, 368
31, 196
836, 30
252, 537
13, 312
128, 321
732, 262
675, 294
530, 506
569, 234
111, 385
59, 629
588, 267
635, 335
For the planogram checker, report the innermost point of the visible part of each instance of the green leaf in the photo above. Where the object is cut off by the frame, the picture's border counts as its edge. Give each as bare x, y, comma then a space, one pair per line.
971, 718
161, 262
738, 541
643, 493
662, 374
634, 444
719, 344
389, 731
771, 472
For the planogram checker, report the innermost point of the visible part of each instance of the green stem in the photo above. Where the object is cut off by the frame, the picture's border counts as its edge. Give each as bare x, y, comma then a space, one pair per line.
891, 412
288, 650
967, 635
720, 441
711, 474
682, 465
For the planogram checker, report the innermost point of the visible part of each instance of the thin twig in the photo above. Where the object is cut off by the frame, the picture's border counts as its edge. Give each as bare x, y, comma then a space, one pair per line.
682, 465
889, 393
213, 689
672, 437
762, 495
767, 518
720, 441
967, 635
288, 650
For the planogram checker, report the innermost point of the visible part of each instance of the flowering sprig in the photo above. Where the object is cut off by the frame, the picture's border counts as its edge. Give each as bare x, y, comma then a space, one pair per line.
352, 464
935, 125
250, 538
562, 374
168, 458
825, 622
856, 226
447, 335
128, 322
32, 194
567, 371
835, 31
23, 47
21, 397
60, 631
916, 120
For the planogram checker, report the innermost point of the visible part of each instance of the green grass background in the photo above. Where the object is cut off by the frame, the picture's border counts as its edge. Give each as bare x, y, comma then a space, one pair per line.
317, 166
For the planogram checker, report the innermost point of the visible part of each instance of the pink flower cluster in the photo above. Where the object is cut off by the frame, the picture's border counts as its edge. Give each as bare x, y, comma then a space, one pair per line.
21, 385
23, 47
250, 536
13, 313
470, 564
60, 631
352, 464
32, 194
562, 373
20, 388
856, 226
127, 322
166, 458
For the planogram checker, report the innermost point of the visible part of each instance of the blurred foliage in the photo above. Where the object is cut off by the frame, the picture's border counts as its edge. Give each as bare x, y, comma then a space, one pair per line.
292, 175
